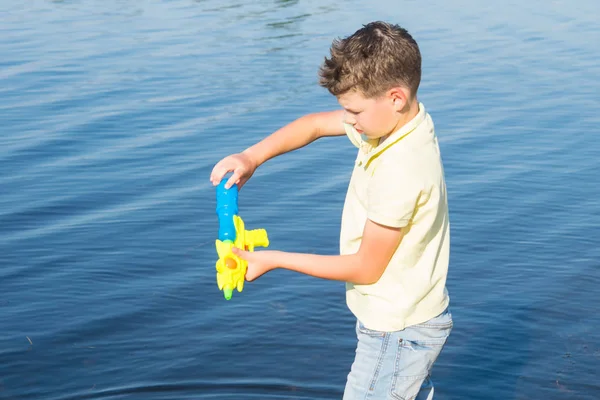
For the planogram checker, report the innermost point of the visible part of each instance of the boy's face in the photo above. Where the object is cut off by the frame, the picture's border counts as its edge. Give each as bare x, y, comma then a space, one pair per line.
372, 117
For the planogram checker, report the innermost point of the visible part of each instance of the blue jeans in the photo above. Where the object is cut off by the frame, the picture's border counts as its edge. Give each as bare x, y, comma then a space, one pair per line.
397, 365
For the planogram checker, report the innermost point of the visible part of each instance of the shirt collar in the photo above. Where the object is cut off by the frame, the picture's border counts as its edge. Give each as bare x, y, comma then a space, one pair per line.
374, 149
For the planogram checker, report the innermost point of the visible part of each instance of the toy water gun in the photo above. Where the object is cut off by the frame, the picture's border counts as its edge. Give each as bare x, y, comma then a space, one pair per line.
231, 270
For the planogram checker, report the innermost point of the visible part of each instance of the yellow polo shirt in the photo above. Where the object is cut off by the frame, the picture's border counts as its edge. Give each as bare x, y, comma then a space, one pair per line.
400, 183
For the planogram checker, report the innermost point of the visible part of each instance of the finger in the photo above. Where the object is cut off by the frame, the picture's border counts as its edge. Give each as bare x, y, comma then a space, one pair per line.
241, 182
239, 252
218, 173
215, 175
233, 179
221, 169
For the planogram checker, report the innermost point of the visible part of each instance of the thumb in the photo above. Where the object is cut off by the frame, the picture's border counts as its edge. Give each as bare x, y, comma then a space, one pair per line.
240, 253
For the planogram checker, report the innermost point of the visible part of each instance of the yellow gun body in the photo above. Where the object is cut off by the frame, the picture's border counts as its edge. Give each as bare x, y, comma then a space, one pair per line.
231, 270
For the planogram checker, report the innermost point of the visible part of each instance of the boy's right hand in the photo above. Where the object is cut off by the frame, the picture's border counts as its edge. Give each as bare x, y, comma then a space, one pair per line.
240, 164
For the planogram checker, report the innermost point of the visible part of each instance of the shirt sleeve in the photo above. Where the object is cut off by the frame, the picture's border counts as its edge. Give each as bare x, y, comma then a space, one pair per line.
393, 194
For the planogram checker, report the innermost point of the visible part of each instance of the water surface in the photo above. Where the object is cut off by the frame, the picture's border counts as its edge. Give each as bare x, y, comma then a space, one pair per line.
114, 113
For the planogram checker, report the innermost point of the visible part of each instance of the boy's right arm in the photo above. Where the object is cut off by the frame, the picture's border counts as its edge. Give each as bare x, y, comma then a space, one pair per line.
292, 136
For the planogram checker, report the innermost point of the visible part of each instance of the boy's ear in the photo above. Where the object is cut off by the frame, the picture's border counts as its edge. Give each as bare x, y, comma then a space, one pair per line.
399, 97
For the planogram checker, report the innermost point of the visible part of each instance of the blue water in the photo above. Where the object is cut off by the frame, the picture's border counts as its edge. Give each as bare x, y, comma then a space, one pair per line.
113, 114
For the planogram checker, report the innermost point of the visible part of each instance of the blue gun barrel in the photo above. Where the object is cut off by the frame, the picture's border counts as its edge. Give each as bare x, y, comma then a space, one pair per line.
227, 207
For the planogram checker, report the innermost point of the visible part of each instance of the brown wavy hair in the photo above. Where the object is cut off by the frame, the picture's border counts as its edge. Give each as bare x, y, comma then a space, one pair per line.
374, 59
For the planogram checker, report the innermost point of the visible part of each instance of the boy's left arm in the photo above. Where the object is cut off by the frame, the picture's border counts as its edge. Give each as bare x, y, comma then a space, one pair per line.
365, 267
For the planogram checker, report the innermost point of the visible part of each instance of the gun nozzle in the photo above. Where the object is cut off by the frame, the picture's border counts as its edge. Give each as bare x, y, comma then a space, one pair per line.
230, 263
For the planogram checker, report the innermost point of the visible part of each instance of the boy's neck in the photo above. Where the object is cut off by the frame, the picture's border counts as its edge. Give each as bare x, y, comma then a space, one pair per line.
409, 112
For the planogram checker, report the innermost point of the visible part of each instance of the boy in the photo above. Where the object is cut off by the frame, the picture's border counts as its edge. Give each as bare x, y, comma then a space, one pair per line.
394, 240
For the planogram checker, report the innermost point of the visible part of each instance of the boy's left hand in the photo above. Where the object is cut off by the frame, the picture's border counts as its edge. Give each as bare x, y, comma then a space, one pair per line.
259, 262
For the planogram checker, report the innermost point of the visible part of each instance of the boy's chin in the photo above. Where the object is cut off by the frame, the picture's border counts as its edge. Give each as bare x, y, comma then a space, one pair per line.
371, 136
